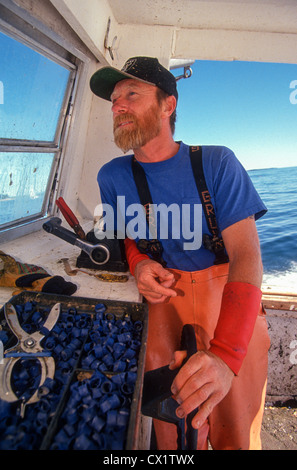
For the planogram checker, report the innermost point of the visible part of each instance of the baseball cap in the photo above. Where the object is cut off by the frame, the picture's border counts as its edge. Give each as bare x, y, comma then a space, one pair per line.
145, 69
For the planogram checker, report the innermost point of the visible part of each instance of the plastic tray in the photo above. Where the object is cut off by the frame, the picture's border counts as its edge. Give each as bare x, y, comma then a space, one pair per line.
119, 309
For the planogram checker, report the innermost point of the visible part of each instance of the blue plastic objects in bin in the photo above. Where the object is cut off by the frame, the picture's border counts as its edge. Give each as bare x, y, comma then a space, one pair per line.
109, 343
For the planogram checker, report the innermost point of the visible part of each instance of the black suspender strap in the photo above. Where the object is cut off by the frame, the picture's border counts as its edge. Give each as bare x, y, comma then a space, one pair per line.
213, 243
151, 247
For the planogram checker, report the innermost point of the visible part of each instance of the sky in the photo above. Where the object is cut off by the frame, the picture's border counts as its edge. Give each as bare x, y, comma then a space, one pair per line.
248, 107
32, 92
32, 89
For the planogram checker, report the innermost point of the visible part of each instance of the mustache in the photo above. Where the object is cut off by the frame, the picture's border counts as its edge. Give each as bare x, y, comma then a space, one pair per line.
118, 120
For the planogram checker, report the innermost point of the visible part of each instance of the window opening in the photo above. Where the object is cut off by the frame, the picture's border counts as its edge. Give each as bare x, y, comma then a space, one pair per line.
35, 96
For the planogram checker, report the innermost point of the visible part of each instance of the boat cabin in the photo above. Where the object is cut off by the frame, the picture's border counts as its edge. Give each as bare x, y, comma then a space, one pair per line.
55, 133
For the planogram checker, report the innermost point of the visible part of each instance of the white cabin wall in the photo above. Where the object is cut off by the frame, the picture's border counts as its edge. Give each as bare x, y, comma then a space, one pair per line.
89, 20
136, 40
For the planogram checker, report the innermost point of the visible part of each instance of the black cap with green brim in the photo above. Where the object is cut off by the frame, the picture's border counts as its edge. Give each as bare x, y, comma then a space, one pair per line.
144, 69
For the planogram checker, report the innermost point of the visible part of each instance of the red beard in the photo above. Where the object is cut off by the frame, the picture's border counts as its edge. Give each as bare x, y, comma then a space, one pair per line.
138, 131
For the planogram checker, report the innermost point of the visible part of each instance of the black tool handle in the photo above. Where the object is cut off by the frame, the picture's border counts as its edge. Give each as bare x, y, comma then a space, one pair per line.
54, 226
157, 400
188, 343
188, 340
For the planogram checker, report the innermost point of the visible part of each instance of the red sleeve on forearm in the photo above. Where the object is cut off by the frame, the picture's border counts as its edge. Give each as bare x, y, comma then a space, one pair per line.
239, 310
133, 255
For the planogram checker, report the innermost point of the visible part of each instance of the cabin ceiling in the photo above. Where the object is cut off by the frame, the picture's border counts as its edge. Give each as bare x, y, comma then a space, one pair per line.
250, 30
240, 15
247, 30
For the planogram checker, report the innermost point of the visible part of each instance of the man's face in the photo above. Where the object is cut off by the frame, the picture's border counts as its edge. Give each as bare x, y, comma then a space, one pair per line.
136, 114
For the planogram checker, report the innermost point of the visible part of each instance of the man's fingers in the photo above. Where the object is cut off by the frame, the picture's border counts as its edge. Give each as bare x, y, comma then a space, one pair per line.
177, 360
154, 281
152, 288
197, 399
204, 411
202, 382
156, 291
168, 283
188, 371
155, 300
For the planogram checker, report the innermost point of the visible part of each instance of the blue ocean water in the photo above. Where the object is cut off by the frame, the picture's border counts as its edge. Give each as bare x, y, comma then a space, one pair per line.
278, 227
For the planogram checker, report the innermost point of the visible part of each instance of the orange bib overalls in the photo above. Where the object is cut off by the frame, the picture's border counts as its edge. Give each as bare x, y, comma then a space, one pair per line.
235, 423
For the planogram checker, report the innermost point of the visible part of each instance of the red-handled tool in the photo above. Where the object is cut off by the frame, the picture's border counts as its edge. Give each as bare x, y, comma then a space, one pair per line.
70, 218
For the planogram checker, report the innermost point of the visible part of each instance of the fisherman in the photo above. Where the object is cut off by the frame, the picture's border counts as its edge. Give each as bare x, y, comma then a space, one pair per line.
215, 287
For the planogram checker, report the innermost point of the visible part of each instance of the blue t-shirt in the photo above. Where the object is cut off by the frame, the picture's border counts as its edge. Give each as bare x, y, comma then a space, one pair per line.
172, 182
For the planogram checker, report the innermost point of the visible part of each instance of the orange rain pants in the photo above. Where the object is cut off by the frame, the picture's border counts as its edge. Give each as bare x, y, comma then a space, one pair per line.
235, 423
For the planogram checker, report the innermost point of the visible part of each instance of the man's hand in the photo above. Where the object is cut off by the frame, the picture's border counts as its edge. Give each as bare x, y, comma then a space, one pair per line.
202, 382
154, 281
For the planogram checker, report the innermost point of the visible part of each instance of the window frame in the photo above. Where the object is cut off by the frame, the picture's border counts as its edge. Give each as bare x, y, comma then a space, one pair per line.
55, 48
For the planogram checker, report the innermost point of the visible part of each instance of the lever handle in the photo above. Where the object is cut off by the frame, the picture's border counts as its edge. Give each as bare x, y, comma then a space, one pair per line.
70, 218
157, 401
99, 253
54, 226
188, 343
188, 340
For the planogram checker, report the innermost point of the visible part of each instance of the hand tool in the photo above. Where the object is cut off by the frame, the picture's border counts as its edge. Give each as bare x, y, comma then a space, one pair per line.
102, 277
157, 400
70, 218
28, 345
99, 253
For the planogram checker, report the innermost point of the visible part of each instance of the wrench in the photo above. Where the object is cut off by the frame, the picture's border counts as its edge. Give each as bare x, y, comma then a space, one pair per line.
99, 254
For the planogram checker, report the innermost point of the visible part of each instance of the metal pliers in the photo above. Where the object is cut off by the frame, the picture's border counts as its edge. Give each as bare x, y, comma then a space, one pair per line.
157, 400
28, 345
